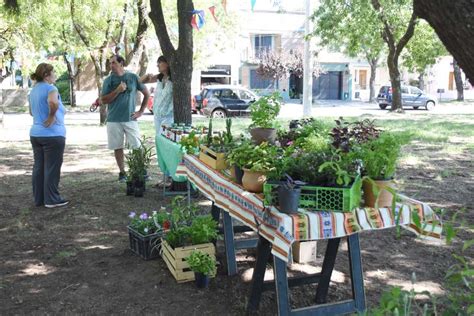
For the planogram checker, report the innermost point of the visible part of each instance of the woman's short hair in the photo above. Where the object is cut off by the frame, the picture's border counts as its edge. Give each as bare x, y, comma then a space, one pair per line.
42, 71
162, 59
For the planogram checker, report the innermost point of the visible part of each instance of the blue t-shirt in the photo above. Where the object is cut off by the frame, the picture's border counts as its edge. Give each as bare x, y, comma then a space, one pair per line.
38, 99
123, 106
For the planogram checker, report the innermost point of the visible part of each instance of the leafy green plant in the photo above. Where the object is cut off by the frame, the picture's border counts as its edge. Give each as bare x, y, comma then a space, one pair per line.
186, 227
138, 160
262, 158
190, 143
265, 110
379, 156
346, 134
397, 301
201, 262
238, 155
203, 230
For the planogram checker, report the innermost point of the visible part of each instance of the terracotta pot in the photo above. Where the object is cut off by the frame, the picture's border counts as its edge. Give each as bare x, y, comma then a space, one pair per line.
260, 135
237, 173
384, 198
253, 181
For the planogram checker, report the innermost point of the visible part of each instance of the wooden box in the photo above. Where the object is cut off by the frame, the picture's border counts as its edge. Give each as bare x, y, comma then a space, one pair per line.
304, 251
213, 159
174, 259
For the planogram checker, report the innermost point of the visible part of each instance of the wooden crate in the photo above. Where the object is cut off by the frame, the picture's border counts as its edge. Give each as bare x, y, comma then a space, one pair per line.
174, 259
213, 159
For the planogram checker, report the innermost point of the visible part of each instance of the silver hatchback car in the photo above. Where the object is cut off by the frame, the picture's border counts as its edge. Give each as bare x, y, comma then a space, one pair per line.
411, 97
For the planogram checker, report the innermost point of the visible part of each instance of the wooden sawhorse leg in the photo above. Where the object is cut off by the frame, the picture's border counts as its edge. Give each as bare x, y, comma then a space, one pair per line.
230, 244
282, 283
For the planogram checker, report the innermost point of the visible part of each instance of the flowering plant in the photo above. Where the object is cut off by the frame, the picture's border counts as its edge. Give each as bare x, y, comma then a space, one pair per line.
147, 225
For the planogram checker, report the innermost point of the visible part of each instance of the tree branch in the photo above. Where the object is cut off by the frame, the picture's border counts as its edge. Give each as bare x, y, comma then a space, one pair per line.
141, 30
156, 15
408, 34
78, 27
387, 32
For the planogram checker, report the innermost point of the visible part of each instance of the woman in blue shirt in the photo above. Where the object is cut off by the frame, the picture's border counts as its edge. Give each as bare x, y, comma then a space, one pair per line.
47, 136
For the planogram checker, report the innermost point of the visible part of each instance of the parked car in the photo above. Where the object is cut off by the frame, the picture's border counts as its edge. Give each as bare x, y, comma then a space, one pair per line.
224, 100
411, 97
152, 97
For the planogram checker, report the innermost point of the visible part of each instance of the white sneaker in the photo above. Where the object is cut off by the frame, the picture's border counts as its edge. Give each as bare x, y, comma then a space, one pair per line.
59, 204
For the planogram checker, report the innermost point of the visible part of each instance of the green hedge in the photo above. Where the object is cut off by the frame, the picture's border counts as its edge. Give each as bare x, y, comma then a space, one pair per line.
63, 88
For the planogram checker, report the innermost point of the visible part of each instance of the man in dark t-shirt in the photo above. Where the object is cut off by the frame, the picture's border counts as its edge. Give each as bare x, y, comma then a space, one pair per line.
119, 92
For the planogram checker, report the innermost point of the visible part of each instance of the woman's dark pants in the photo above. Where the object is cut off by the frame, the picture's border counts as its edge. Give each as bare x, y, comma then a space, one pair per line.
48, 154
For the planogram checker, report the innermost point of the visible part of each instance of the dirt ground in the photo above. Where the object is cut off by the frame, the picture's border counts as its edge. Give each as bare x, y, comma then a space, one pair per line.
75, 260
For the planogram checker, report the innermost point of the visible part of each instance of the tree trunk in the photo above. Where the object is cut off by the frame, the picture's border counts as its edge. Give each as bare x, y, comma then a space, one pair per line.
98, 80
458, 80
394, 72
453, 22
421, 81
373, 71
181, 59
71, 77
394, 51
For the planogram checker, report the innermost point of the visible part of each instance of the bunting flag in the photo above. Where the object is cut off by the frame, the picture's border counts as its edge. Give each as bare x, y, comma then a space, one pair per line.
224, 4
212, 10
193, 22
197, 20
252, 3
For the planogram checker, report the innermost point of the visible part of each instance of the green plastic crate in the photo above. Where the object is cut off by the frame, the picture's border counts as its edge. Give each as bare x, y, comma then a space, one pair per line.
321, 198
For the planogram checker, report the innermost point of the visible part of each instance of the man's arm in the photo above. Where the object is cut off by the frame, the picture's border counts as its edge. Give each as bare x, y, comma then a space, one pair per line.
109, 98
146, 95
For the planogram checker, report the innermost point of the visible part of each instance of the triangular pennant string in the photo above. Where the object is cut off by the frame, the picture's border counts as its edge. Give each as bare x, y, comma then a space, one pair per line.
252, 3
194, 23
213, 12
224, 4
200, 19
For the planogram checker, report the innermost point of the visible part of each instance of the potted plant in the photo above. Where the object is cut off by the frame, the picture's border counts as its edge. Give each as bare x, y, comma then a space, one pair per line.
379, 159
216, 145
289, 192
203, 265
138, 161
237, 158
263, 113
144, 232
188, 231
259, 162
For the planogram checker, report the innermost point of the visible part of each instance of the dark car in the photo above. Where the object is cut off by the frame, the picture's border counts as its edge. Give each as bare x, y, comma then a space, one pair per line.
224, 100
411, 97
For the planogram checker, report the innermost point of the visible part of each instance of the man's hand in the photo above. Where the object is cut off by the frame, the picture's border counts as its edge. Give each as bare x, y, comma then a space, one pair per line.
136, 115
121, 87
49, 121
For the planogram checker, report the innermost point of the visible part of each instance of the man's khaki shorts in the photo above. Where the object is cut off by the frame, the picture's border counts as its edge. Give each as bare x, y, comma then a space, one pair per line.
116, 132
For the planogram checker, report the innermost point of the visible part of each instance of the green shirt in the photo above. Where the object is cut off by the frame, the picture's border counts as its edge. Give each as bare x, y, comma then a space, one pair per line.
123, 106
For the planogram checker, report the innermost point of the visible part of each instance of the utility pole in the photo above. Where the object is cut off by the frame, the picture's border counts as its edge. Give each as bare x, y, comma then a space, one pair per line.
307, 63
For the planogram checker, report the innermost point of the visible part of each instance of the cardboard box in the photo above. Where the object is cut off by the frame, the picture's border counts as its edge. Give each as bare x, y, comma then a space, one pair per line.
304, 251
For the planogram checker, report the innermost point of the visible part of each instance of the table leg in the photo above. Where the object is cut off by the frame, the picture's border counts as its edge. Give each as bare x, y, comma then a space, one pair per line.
326, 271
229, 244
264, 249
357, 278
281, 282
